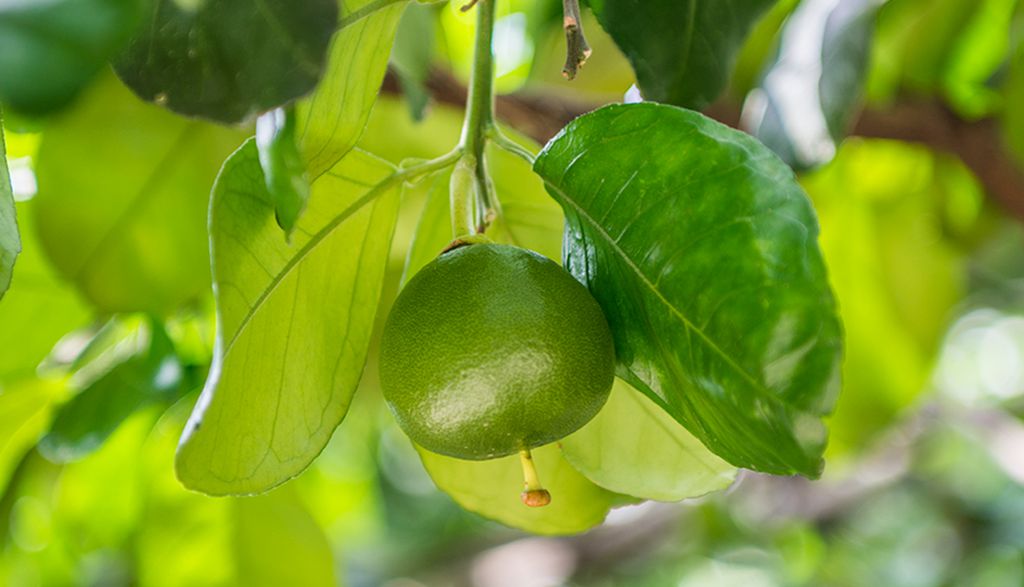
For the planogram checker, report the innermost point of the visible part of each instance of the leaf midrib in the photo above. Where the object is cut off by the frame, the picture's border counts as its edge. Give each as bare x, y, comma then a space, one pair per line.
672, 309
306, 249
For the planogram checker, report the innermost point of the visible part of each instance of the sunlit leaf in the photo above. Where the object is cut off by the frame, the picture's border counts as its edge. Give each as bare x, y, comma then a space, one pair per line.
634, 447
682, 52
50, 50
808, 94
658, 201
10, 242
228, 60
277, 542
183, 538
294, 321
38, 310
283, 167
413, 55
331, 120
529, 217
434, 229
122, 202
25, 411
492, 489
85, 422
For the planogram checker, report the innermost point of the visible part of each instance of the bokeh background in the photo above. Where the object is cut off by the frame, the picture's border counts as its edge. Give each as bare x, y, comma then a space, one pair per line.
921, 211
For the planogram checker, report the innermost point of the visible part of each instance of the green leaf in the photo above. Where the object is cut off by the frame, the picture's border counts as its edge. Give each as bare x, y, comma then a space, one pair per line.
85, 422
50, 50
228, 60
294, 321
38, 310
491, 489
809, 93
634, 447
702, 250
123, 195
682, 52
413, 54
283, 168
276, 542
331, 120
434, 229
25, 411
10, 242
529, 218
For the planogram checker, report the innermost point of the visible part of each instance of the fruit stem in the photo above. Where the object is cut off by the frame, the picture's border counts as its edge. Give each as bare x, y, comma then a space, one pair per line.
534, 495
480, 116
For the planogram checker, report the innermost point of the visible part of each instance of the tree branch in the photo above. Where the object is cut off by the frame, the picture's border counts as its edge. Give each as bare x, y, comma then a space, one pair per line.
978, 144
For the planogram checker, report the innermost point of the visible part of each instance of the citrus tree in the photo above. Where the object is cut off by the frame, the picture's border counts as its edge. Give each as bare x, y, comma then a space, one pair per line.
240, 214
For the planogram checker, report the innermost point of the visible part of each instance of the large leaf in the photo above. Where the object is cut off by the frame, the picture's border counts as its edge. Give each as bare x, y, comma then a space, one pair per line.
85, 422
294, 321
492, 488
123, 195
228, 60
702, 250
682, 51
331, 120
37, 311
634, 447
10, 242
51, 50
808, 94
277, 542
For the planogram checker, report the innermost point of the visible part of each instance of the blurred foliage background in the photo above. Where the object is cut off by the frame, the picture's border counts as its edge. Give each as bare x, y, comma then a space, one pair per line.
925, 478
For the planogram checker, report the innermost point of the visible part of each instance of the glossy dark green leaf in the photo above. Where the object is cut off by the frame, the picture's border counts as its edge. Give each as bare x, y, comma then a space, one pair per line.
283, 167
10, 241
702, 250
332, 119
51, 50
84, 423
682, 52
228, 60
123, 195
810, 92
294, 321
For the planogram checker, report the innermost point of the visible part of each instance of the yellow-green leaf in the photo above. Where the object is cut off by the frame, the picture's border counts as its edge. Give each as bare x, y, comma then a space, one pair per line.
294, 321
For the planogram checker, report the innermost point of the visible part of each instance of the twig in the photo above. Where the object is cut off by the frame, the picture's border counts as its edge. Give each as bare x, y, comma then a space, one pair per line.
577, 51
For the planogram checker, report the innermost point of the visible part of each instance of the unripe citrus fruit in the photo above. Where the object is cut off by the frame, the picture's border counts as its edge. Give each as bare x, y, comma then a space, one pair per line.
492, 350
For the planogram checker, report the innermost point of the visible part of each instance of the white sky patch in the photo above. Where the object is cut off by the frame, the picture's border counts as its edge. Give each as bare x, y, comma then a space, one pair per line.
512, 46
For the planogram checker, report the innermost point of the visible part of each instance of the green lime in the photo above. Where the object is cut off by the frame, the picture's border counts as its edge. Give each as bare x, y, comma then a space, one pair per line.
493, 349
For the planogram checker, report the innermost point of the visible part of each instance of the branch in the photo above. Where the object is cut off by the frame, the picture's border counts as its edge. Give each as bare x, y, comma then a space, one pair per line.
978, 144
